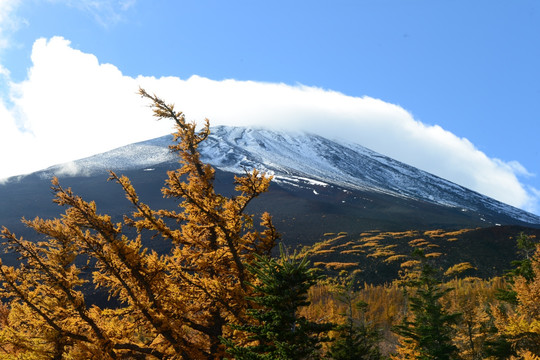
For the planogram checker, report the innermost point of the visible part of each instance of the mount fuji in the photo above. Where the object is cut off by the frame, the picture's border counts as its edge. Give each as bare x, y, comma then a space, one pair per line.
319, 185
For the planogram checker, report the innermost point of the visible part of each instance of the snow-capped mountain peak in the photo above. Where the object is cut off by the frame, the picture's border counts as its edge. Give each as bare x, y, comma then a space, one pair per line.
306, 158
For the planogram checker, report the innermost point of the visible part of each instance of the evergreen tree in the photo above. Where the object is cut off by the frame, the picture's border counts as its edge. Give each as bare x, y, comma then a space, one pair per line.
175, 305
500, 345
277, 331
426, 332
356, 339
520, 267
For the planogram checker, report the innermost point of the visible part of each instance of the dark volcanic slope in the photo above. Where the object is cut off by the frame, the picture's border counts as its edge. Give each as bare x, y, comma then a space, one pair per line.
302, 161
320, 186
300, 215
488, 250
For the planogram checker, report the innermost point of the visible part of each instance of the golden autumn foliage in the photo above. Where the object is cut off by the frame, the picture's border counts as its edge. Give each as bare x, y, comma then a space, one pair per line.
387, 306
521, 325
175, 305
340, 265
180, 304
471, 298
458, 269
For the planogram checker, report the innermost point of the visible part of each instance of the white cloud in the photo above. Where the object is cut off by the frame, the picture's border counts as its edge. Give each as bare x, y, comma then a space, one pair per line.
71, 106
383, 127
11, 138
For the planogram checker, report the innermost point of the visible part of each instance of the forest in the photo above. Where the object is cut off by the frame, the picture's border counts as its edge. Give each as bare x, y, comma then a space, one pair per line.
228, 288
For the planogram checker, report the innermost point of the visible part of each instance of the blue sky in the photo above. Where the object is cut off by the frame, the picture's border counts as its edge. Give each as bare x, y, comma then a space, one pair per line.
450, 86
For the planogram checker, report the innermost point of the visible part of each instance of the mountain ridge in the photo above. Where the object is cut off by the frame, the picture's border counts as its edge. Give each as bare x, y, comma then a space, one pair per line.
320, 186
301, 159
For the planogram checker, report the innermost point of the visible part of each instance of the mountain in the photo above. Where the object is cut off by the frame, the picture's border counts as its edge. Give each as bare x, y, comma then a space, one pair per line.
305, 160
315, 160
320, 185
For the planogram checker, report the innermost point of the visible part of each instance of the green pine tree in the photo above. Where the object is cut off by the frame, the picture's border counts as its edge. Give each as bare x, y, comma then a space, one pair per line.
499, 345
356, 339
428, 329
522, 267
276, 331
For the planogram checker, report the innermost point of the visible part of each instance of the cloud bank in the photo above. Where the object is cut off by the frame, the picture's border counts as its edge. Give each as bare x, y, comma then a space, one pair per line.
71, 106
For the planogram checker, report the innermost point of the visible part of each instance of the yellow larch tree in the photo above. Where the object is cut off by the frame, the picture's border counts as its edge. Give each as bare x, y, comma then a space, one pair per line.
176, 305
469, 298
521, 326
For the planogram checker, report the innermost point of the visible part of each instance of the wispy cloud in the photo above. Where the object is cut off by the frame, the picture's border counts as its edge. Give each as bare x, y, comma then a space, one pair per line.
9, 21
515, 167
105, 12
71, 106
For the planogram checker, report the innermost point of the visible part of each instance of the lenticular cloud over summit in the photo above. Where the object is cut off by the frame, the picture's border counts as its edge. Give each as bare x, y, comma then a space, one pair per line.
71, 106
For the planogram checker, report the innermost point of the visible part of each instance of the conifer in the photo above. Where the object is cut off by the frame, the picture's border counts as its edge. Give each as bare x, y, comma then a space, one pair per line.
503, 344
276, 330
520, 326
175, 305
355, 337
522, 267
356, 340
472, 329
426, 332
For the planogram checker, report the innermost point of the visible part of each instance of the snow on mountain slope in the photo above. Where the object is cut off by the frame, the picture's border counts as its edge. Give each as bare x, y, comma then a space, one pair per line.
134, 156
348, 165
301, 157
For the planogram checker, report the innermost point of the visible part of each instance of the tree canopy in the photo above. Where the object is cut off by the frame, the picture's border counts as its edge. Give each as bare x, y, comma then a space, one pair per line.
170, 306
